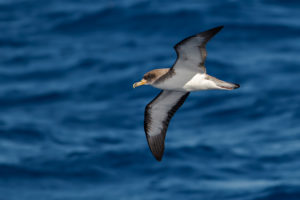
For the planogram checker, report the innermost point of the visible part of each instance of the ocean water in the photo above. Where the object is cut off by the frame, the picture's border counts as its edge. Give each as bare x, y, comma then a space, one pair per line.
71, 126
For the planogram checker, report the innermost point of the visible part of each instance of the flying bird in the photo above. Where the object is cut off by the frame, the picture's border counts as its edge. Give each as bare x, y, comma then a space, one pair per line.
186, 75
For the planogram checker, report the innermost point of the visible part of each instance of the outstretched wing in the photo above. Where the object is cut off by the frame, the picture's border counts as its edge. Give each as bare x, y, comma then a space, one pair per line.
191, 51
158, 114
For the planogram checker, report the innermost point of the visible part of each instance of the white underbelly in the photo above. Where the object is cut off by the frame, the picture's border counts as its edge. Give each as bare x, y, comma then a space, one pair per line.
188, 82
199, 82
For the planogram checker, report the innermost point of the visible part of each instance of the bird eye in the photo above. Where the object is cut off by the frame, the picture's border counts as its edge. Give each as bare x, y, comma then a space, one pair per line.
149, 76
146, 77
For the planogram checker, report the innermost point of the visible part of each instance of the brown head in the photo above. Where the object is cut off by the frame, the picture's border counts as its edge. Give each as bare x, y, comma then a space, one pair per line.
150, 77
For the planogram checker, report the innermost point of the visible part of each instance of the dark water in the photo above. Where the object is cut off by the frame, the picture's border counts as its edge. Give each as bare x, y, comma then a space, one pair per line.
71, 126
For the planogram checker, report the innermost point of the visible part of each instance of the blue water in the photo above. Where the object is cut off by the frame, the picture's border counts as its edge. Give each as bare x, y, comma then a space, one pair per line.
71, 126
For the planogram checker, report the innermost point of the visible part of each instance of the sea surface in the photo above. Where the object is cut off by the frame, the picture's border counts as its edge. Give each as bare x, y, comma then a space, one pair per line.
71, 125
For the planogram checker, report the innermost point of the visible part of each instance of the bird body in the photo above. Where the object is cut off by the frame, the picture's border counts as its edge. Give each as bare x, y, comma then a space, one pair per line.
186, 75
200, 82
193, 81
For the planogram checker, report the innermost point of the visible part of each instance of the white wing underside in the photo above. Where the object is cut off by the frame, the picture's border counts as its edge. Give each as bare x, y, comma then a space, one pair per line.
158, 114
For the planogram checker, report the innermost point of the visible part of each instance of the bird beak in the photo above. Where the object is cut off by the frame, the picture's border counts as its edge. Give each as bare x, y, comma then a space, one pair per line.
142, 82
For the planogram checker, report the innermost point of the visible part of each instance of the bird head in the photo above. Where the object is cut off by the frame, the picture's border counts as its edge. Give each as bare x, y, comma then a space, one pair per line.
147, 79
150, 77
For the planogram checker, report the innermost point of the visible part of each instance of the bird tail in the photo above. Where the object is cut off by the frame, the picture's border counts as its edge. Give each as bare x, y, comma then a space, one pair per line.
227, 86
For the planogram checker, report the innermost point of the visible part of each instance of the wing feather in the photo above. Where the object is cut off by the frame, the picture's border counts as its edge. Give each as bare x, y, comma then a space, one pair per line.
191, 52
158, 114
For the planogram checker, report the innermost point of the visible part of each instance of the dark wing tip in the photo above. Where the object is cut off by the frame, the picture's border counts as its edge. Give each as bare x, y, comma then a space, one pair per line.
218, 28
210, 33
207, 35
157, 145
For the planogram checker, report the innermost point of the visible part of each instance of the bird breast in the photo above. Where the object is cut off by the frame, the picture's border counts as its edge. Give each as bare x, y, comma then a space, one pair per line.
186, 81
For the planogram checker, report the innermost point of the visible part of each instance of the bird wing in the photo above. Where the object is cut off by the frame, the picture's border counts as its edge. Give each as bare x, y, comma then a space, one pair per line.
158, 114
191, 52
